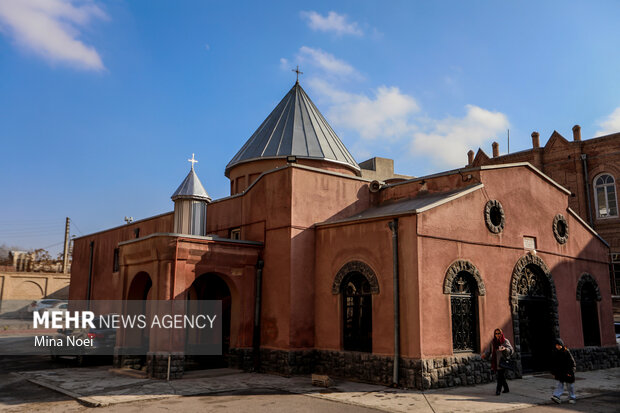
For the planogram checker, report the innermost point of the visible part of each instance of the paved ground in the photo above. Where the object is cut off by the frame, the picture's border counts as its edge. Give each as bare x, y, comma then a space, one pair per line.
229, 390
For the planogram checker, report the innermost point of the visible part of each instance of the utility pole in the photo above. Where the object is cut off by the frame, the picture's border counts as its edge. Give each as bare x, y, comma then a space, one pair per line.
65, 255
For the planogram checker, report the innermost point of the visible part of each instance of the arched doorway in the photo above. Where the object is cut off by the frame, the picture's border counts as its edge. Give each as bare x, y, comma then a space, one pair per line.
137, 295
588, 294
208, 286
535, 318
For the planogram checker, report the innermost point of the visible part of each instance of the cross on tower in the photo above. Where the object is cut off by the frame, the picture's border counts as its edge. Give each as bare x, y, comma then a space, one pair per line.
193, 161
298, 73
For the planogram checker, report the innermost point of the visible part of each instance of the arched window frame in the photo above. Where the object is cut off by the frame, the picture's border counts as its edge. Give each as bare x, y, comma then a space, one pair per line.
605, 186
476, 289
368, 286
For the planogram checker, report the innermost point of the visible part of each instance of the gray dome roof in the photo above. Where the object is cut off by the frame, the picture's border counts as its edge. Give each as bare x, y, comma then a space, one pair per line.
191, 188
294, 128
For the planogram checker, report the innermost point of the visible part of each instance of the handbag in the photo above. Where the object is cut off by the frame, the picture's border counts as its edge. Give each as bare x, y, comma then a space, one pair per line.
507, 364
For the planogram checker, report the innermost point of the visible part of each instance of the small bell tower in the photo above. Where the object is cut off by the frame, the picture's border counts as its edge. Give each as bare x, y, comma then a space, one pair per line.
190, 205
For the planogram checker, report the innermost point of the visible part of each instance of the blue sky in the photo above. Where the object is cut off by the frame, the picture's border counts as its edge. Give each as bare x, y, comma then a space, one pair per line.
102, 103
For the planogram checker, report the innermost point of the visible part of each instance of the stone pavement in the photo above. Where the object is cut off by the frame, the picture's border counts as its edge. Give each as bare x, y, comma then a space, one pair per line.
100, 386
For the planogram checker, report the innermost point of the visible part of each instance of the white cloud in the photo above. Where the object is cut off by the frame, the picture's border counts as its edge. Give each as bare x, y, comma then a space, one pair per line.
332, 22
326, 62
447, 141
388, 122
610, 125
51, 28
385, 115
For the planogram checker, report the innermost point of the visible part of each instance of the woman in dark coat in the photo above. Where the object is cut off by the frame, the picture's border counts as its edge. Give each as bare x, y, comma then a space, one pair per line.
563, 369
500, 350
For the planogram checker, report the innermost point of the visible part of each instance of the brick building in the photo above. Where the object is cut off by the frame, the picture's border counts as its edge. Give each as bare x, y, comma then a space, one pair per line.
389, 280
589, 169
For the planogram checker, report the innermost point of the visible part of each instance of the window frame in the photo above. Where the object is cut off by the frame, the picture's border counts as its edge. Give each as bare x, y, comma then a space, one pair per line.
605, 186
475, 313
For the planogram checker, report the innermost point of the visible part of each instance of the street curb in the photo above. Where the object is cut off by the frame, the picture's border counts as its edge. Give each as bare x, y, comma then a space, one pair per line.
89, 402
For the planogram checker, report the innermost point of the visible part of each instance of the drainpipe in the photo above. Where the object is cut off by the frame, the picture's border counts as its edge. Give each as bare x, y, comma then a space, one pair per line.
394, 227
257, 310
584, 158
90, 273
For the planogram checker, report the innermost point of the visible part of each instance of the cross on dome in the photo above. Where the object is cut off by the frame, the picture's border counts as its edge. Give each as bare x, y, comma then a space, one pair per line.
193, 161
298, 72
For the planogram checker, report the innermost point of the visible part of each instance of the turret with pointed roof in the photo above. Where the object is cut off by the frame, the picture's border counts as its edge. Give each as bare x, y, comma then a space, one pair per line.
295, 128
190, 205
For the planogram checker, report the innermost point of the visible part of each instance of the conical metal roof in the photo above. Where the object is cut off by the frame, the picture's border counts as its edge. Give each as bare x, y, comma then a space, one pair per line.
191, 188
294, 128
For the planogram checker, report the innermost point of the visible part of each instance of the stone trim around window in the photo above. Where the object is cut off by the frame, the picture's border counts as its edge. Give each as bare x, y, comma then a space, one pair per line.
560, 229
494, 216
356, 266
463, 265
587, 278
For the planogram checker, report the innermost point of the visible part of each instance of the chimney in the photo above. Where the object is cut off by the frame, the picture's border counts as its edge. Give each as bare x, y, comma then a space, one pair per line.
470, 157
535, 139
495, 149
576, 133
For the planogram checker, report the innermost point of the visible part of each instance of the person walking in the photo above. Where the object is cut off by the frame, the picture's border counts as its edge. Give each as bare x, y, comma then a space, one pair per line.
563, 369
500, 351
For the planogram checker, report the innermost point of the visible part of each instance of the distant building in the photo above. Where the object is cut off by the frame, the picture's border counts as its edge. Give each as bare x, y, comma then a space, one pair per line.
589, 169
322, 266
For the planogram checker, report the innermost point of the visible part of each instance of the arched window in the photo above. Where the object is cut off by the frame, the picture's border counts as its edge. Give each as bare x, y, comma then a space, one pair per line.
464, 312
605, 196
356, 312
589, 316
588, 294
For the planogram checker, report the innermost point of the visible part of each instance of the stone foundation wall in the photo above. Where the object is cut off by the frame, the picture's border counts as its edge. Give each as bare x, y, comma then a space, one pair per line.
594, 358
448, 371
157, 365
128, 358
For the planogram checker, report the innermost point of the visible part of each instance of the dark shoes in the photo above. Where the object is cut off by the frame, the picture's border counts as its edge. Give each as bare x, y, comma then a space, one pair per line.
498, 392
506, 391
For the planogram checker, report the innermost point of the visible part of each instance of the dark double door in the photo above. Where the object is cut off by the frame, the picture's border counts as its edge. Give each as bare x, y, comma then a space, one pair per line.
535, 334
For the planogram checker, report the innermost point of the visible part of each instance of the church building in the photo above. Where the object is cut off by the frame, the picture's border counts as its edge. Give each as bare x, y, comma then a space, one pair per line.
324, 265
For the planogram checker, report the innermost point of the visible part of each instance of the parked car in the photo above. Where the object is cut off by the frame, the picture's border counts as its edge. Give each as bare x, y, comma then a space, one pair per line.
103, 342
617, 328
61, 306
39, 305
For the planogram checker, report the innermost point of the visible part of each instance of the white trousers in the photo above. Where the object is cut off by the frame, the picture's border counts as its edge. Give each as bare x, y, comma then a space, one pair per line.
559, 390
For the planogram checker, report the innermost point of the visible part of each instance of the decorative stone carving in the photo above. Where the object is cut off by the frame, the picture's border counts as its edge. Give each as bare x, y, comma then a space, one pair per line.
360, 267
587, 278
494, 216
457, 267
560, 228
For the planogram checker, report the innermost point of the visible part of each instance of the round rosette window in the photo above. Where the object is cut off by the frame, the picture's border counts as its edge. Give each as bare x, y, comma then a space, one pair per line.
560, 228
494, 216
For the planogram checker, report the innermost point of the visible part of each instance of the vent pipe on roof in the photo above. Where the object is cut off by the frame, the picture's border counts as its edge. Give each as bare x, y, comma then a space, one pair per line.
470, 157
576, 133
535, 139
495, 149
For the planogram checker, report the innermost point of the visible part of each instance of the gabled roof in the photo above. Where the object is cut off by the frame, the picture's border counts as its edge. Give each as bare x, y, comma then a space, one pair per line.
414, 205
556, 139
480, 158
191, 188
294, 128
